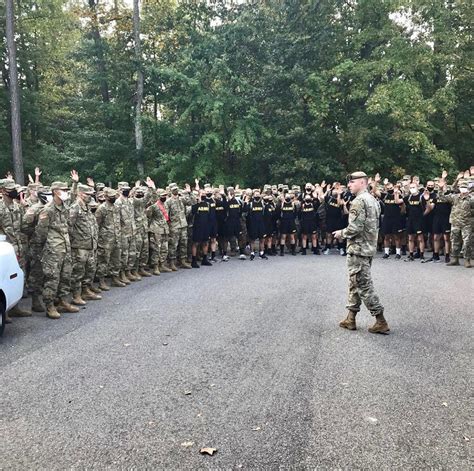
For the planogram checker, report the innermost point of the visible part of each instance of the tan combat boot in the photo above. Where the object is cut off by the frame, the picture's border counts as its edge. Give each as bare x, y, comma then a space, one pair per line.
380, 326
37, 305
349, 322
77, 300
16, 311
95, 290
454, 262
117, 282
89, 295
173, 266
185, 264
134, 274
124, 279
467, 263
164, 268
142, 272
52, 312
64, 306
156, 271
103, 286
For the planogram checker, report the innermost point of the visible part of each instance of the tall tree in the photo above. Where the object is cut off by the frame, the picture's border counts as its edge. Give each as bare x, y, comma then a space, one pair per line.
139, 89
14, 94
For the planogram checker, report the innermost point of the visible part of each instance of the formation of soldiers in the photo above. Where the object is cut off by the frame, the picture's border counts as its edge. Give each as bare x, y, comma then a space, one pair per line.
75, 241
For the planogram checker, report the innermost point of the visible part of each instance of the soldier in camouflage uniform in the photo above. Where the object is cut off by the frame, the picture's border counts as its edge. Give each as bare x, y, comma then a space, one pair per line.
158, 228
140, 197
10, 226
82, 231
53, 231
28, 227
362, 234
178, 240
109, 244
462, 214
127, 233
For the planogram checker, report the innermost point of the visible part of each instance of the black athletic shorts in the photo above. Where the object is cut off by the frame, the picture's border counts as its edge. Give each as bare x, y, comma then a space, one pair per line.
414, 226
287, 226
391, 225
441, 225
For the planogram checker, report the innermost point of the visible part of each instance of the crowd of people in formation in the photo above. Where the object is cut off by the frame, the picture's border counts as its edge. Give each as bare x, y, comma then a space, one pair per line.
76, 240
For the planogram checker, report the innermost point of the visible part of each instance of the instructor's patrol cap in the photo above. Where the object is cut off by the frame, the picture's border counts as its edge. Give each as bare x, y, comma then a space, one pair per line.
356, 175
123, 186
59, 186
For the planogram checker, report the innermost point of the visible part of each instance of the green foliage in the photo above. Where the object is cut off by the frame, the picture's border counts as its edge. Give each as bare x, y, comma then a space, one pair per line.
244, 93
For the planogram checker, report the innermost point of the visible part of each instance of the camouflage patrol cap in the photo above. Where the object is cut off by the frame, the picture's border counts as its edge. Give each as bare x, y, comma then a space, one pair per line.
161, 192
59, 186
406, 177
85, 189
173, 186
123, 186
295, 188
99, 186
110, 192
43, 189
207, 185
33, 186
230, 188
463, 184
7, 184
356, 175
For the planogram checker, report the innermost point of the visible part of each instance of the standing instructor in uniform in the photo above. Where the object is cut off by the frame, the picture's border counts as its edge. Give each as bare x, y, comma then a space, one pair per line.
361, 234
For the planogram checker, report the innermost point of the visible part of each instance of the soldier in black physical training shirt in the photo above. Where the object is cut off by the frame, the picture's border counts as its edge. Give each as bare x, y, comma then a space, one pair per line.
212, 220
220, 217
256, 224
416, 207
287, 213
391, 224
441, 210
201, 229
333, 203
233, 212
270, 218
309, 223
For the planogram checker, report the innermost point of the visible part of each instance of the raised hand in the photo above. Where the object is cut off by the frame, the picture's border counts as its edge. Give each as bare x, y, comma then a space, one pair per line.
90, 182
74, 176
187, 187
385, 181
38, 173
444, 174
9, 175
150, 183
30, 179
377, 178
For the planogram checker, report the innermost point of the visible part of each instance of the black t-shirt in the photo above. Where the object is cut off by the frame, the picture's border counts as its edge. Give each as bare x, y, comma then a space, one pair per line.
308, 211
442, 208
333, 210
416, 205
391, 209
212, 208
287, 211
233, 208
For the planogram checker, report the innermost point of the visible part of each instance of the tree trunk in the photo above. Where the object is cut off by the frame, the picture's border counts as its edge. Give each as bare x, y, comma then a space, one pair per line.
14, 95
139, 91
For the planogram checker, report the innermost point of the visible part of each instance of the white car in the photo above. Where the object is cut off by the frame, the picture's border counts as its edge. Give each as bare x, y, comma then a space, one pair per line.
11, 280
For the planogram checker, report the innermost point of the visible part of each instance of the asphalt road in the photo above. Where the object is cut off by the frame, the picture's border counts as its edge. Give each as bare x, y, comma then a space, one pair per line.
247, 358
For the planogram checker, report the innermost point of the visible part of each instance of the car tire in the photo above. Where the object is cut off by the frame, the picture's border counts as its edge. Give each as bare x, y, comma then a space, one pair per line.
3, 318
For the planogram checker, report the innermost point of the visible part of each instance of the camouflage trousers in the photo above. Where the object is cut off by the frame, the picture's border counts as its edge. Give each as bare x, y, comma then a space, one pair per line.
83, 269
57, 268
108, 260
178, 243
128, 252
361, 288
244, 237
461, 238
158, 249
35, 276
142, 250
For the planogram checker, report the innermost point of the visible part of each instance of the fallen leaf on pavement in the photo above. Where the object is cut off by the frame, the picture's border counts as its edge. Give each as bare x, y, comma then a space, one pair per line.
256, 429
127, 344
187, 444
467, 439
208, 451
445, 404
165, 343
187, 393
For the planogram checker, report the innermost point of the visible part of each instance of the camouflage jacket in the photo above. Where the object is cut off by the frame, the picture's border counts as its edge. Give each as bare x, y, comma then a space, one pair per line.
127, 217
363, 227
462, 210
156, 221
81, 226
29, 223
176, 207
141, 221
10, 224
53, 228
108, 222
